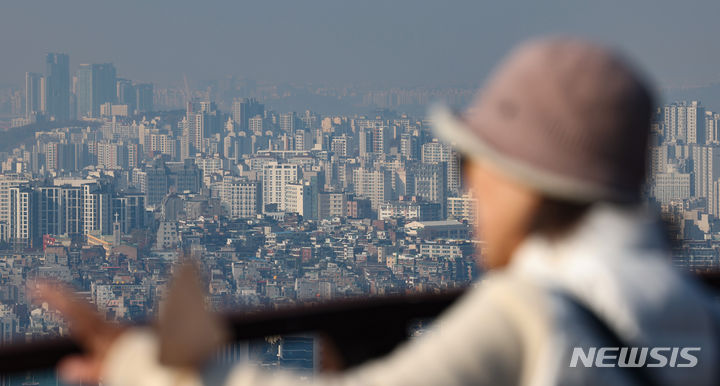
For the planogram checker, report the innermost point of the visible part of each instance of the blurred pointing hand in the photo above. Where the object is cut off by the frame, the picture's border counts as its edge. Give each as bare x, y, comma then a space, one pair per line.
87, 327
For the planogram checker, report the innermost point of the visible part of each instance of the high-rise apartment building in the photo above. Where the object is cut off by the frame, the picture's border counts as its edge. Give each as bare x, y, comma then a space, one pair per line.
339, 146
275, 178
303, 140
381, 139
712, 127
129, 211
152, 180
96, 214
111, 156
429, 183
365, 142
298, 198
184, 177
7, 182
22, 212
287, 122
685, 122
670, 186
202, 120
375, 185
332, 204
658, 159
75, 209
255, 125
49, 210
240, 198
696, 123
409, 146
435, 152
245, 109
462, 208
706, 170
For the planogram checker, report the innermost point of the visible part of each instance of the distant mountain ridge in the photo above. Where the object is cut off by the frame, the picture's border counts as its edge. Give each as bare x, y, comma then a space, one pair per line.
16, 136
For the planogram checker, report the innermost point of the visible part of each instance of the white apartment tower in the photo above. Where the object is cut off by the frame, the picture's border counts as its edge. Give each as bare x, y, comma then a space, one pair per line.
255, 125
706, 170
239, 197
670, 186
685, 122
275, 177
373, 184
7, 182
463, 208
436, 152
298, 198
21, 214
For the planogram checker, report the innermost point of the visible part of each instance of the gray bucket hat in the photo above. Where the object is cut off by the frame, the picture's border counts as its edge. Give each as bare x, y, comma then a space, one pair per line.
565, 116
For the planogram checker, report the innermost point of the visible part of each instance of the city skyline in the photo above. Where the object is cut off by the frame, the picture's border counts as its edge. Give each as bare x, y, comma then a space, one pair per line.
93, 84
278, 208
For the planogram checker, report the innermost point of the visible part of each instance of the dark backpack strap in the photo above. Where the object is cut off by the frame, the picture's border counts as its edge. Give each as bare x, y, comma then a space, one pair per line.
639, 374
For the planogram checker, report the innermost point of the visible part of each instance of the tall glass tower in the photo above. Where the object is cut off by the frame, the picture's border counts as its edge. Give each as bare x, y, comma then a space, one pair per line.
96, 85
33, 99
57, 86
83, 91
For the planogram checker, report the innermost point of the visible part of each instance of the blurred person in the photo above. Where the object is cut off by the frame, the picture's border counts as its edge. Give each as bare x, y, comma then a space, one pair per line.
554, 149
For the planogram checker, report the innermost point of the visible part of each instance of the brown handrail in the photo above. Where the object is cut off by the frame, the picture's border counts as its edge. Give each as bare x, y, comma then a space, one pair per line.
361, 328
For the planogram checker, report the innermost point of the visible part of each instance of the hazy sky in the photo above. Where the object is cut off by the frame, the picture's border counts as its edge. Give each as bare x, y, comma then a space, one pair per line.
397, 42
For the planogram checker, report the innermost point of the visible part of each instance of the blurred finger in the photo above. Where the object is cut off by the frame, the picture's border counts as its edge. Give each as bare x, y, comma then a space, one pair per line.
330, 358
77, 369
84, 321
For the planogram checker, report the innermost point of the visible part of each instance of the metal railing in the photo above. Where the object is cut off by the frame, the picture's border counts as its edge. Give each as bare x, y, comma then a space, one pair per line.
361, 329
